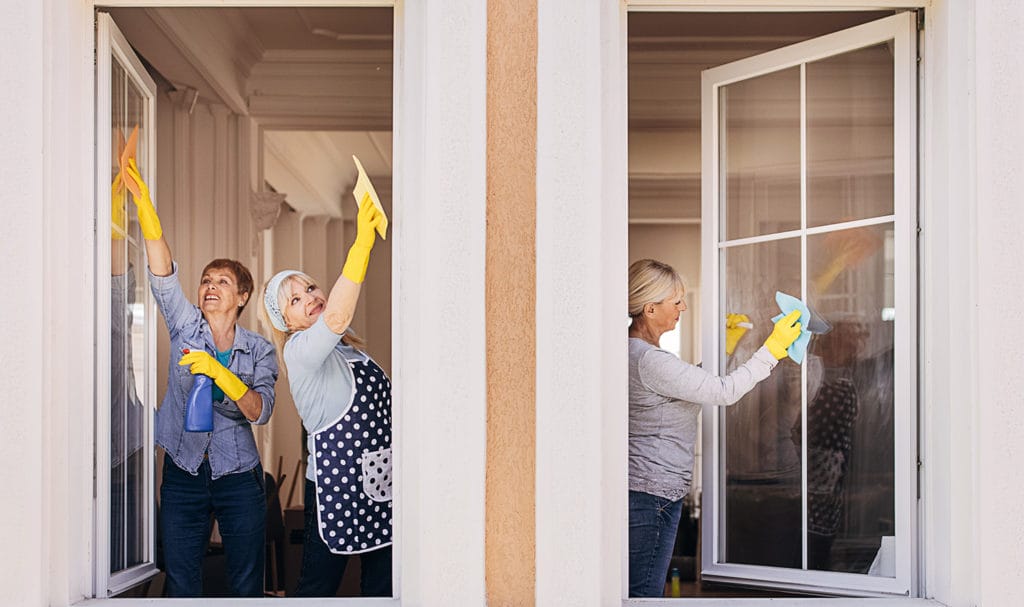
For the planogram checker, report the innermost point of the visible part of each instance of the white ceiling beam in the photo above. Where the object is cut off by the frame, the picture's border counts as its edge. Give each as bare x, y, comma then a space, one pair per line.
347, 89
323, 113
216, 47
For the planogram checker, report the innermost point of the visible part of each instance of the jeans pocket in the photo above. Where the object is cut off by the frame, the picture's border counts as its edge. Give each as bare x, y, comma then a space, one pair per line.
377, 474
257, 475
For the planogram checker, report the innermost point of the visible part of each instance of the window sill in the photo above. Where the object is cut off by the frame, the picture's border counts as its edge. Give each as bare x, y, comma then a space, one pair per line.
785, 602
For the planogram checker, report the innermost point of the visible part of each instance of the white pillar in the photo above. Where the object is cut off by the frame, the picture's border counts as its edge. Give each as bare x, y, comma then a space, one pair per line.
439, 372
999, 82
25, 201
46, 364
581, 302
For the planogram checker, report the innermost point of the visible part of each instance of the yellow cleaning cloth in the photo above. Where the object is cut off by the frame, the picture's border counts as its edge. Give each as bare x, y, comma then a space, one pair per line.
127, 154
364, 189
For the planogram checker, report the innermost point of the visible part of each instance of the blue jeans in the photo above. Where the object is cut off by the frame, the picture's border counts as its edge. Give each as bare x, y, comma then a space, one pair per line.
322, 570
239, 504
653, 522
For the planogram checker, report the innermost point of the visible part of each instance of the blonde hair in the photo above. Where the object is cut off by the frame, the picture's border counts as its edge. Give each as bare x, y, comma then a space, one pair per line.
281, 337
651, 281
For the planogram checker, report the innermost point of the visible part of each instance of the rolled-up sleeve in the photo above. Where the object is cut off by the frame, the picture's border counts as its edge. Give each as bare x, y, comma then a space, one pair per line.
264, 378
307, 350
176, 309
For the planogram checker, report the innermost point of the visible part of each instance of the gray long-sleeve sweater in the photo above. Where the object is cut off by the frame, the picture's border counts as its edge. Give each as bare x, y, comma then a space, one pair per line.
665, 398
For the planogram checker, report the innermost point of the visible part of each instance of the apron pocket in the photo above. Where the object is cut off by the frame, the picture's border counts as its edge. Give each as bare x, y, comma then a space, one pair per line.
377, 475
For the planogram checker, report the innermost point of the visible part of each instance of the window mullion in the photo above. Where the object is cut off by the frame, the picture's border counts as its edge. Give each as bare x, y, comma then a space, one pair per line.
803, 296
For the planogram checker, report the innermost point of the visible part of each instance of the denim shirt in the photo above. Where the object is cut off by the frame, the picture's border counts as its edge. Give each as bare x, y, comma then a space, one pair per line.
231, 446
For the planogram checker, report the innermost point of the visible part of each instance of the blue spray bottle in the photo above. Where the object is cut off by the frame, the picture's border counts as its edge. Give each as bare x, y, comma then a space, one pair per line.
199, 405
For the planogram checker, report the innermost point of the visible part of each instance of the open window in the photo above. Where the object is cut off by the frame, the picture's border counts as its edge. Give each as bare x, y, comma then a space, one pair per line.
126, 363
259, 112
808, 169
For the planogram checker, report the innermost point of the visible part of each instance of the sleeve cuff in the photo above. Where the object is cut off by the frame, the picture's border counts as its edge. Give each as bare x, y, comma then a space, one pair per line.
764, 355
164, 282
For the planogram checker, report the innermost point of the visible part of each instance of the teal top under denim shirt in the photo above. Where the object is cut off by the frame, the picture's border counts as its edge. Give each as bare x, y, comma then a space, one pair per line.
230, 447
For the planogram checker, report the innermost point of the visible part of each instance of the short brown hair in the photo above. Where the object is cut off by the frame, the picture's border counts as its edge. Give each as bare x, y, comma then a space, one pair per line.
242, 277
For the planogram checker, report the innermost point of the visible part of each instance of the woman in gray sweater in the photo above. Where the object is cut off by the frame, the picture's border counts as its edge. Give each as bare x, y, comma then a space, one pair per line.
665, 398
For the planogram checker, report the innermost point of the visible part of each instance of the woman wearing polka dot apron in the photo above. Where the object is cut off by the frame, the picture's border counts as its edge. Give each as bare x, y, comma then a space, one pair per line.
344, 399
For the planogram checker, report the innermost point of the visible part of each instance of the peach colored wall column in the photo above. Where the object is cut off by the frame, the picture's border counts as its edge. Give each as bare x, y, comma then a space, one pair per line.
510, 284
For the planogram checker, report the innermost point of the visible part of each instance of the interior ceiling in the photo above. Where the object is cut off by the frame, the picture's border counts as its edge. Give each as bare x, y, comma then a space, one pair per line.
667, 51
318, 28
313, 168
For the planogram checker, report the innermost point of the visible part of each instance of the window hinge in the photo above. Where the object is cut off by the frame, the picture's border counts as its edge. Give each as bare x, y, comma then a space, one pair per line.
920, 465
920, 20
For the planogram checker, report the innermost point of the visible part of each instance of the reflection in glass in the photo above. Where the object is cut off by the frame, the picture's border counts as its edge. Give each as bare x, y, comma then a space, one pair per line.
760, 155
850, 136
762, 523
850, 439
128, 480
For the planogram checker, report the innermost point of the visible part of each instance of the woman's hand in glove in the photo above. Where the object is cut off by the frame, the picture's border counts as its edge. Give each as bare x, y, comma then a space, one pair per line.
786, 331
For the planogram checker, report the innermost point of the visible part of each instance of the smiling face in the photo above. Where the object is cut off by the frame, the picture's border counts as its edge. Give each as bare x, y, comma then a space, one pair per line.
218, 292
302, 302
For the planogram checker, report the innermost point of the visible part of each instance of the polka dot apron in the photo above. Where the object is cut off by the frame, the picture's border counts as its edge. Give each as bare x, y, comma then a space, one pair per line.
353, 467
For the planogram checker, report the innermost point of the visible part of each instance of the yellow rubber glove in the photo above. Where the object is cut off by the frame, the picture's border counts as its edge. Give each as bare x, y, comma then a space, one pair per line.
228, 382
786, 330
359, 254
734, 331
118, 222
148, 219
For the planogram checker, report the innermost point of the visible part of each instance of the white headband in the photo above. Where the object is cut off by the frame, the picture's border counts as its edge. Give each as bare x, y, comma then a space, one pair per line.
270, 299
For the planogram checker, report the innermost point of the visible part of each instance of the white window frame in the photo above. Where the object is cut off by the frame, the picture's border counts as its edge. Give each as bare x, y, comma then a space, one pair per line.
902, 29
438, 256
111, 46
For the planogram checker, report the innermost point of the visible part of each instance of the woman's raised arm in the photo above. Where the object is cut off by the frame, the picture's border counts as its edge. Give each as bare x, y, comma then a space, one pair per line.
341, 302
158, 253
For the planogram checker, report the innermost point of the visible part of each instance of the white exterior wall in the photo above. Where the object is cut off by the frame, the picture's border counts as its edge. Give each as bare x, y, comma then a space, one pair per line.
23, 355
46, 237
973, 516
999, 187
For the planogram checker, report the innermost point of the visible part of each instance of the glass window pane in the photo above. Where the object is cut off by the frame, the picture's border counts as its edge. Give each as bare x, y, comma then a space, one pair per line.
128, 346
760, 155
762, 522
850, 136
850, 439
